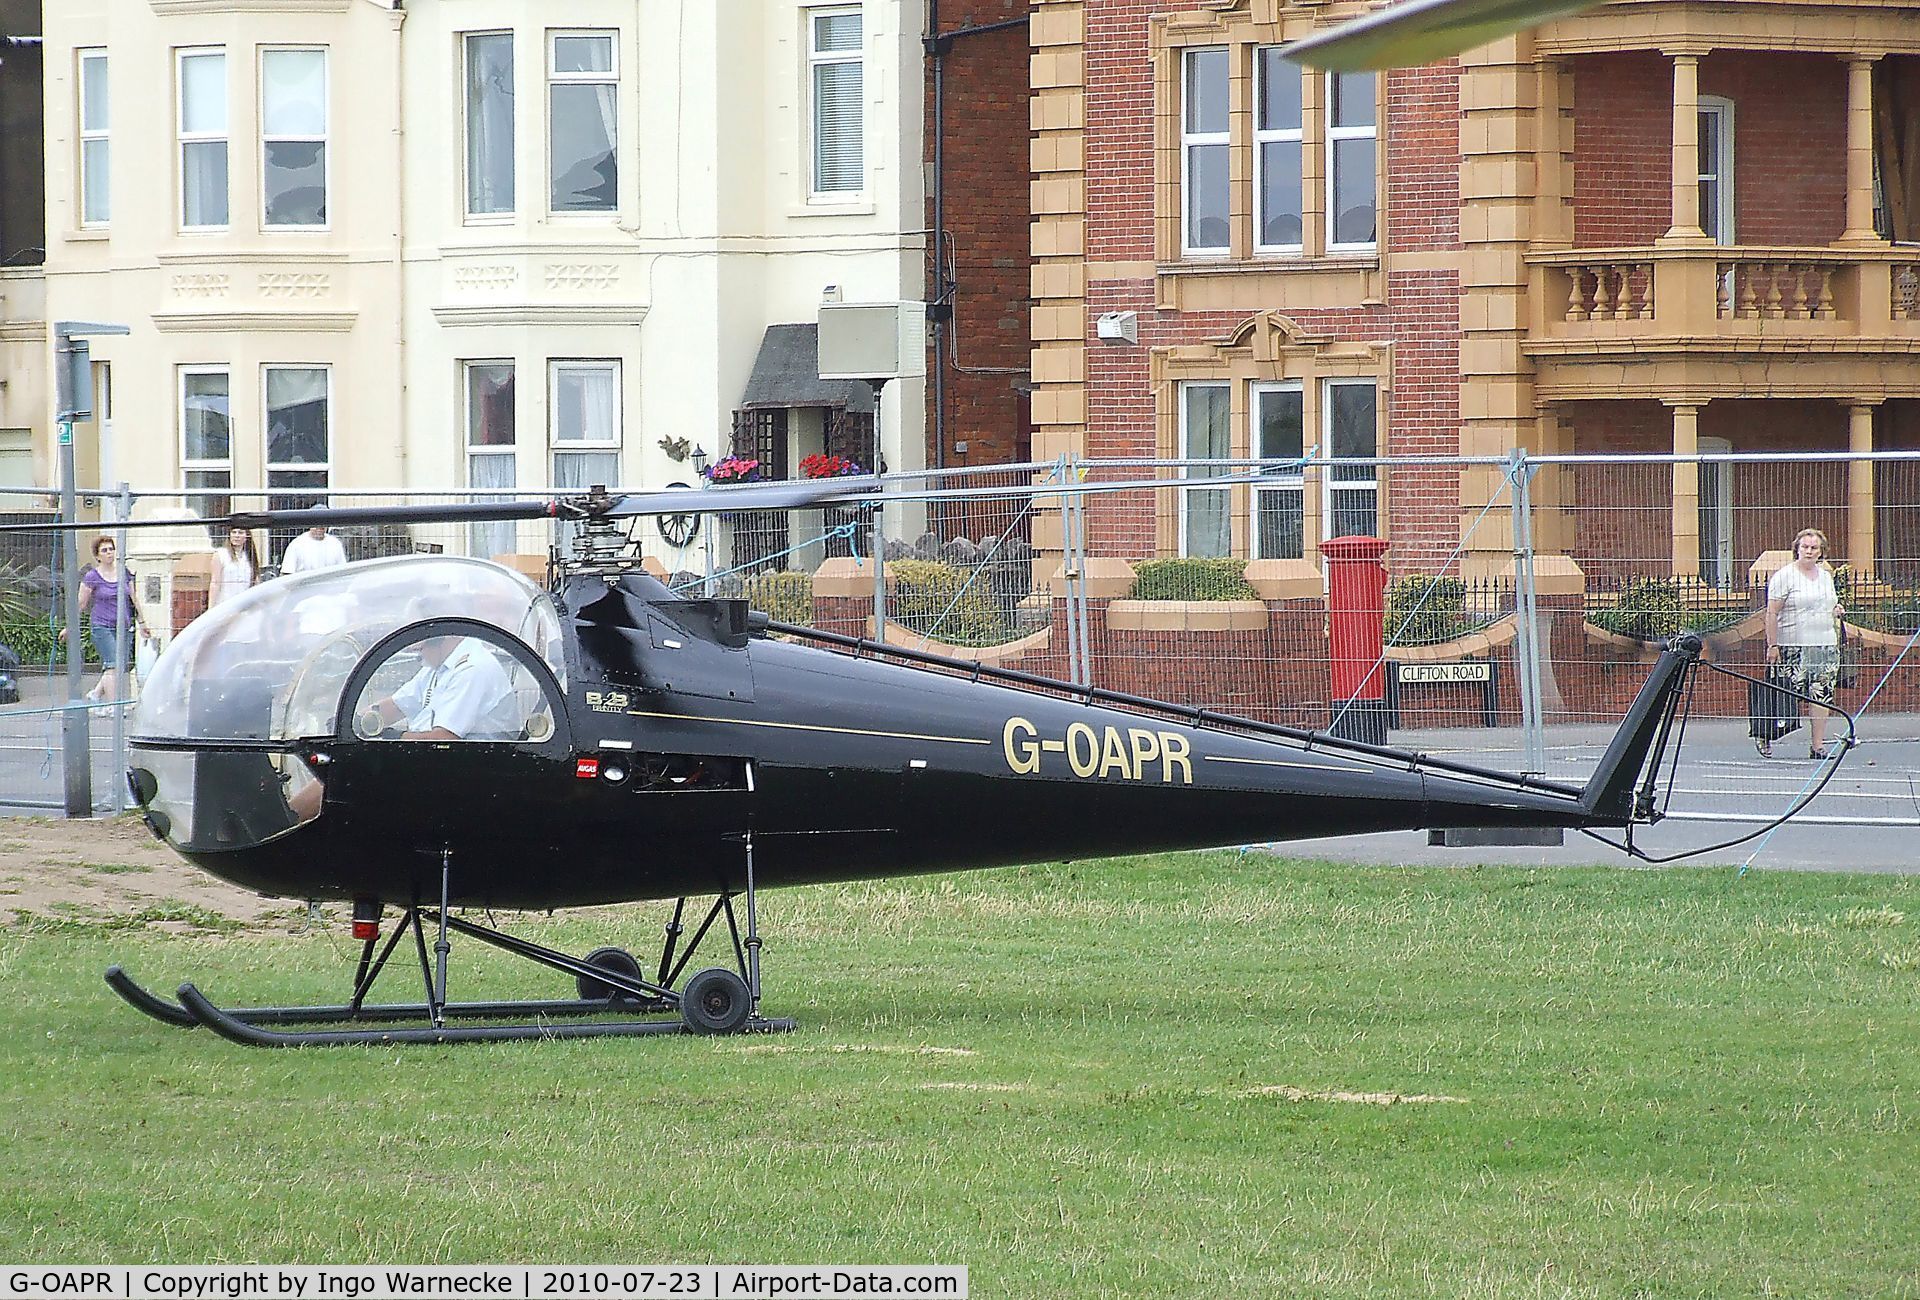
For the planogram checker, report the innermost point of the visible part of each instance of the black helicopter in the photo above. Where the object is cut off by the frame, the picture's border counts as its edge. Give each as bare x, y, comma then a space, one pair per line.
438, 734
610, 740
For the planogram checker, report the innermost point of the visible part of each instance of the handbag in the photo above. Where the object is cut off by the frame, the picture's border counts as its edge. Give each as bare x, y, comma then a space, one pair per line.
1771, 712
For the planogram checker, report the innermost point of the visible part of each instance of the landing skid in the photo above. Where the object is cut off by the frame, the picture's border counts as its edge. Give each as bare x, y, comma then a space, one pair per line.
717, 1000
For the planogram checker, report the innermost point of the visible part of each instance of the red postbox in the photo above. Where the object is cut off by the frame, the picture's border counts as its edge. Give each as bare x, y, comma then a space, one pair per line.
1356, 636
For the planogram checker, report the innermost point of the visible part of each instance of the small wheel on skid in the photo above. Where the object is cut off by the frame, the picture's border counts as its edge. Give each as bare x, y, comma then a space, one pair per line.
715, 1001
617, 960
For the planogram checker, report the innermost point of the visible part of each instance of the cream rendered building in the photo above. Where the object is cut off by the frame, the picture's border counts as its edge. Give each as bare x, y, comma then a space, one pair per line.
464, 243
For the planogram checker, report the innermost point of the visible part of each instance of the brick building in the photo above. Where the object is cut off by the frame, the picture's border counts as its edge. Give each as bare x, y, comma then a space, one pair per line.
976, 151
1652, 227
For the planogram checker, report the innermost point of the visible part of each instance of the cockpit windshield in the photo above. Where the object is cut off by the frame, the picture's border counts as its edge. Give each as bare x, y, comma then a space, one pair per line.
271, 664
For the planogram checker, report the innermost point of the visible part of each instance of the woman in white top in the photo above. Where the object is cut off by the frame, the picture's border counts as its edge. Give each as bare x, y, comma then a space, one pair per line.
235, 567
1803, 633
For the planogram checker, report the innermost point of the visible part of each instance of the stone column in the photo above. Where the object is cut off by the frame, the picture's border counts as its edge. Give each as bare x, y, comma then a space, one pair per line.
1859, 153
1686, 151
1686, 492
1860, 506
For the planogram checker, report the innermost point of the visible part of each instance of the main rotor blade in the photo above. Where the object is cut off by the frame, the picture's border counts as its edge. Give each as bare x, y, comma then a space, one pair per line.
795, 494
1413, 32
325, 516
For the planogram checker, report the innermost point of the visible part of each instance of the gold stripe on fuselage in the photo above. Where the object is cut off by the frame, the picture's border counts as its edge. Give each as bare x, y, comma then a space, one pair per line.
809, 726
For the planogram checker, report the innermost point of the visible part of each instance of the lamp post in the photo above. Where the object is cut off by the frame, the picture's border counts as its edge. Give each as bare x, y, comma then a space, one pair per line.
73, 400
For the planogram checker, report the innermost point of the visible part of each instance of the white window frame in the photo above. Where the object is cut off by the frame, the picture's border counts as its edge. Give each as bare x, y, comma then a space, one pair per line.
1722, 176
1330, 483
608, 78
509, 452
1185, 453
1285, 135
558, 446
189, 466
183, 137
507, 213
1191, 140
1293, 483
816, 59
1334, 134
1716, 508
101, 134
323, 139
266, 418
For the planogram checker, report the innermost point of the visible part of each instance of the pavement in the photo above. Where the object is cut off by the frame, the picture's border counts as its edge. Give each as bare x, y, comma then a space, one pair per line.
1865, 819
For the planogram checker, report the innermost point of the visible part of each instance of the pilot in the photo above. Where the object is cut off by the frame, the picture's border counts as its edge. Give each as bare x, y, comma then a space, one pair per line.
460, 693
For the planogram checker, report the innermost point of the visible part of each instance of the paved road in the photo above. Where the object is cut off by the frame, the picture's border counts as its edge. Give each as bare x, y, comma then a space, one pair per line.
32, 758
1719, 775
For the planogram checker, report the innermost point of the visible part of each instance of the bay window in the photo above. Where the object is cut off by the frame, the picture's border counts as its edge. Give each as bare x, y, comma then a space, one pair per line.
293, 130
299, 409
582, 103
491, 447
489, 83
206, 437
202, 131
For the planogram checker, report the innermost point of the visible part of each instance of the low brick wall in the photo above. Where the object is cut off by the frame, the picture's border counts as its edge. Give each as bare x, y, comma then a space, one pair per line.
1278, 671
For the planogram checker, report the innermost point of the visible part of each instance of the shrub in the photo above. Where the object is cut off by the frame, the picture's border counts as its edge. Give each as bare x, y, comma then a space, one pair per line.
38, 643
784, 597
1191, 578
1647, 608
939, 600
1422, 610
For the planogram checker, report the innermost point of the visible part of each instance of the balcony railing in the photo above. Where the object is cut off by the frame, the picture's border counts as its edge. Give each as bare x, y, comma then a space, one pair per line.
1721, 292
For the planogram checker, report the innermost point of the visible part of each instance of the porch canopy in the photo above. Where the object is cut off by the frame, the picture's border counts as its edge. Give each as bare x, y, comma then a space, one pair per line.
787, 374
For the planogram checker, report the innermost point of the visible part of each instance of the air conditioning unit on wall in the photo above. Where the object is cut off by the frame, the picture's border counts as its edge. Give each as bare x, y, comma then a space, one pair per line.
873, 340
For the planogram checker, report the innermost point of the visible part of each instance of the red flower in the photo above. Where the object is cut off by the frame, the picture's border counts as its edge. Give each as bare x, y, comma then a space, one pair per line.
822, 466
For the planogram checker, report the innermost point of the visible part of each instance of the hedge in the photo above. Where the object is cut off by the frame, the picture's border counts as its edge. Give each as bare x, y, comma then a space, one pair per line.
1191, 578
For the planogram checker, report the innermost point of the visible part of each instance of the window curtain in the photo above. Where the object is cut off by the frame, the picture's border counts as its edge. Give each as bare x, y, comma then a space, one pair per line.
296, 417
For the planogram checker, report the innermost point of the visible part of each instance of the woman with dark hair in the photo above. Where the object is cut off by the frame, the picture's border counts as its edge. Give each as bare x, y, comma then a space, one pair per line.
236, 567
1803, 641
107, 601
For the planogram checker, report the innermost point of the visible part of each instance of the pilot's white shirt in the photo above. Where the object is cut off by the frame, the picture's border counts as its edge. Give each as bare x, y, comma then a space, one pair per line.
468, 694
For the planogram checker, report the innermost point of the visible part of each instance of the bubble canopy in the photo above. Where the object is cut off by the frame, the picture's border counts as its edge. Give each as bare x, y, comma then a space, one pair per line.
271, 664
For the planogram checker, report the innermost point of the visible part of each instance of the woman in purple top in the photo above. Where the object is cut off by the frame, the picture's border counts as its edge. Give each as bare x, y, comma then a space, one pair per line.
107, 601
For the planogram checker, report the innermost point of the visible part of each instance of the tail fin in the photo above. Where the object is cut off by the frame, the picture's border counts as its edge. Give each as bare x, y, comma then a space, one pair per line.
1607, 798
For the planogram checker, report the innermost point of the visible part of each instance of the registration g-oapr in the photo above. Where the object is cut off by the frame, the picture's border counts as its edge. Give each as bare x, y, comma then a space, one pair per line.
1130, 754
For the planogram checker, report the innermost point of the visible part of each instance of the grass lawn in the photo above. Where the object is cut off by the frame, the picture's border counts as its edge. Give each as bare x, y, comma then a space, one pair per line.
1152, 1077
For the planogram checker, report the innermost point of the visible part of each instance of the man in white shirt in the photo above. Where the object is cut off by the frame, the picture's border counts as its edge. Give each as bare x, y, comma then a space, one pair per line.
460, 693
314, 549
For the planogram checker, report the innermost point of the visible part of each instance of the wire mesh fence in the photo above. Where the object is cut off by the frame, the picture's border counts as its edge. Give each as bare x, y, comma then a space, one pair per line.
1512, 612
